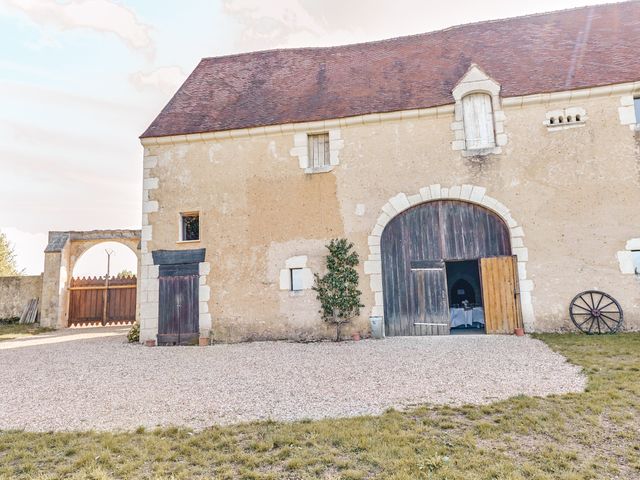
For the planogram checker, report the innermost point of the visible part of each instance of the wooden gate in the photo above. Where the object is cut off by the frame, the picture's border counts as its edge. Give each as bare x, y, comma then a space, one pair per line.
178, 317
500, 291
427, 235
96, 301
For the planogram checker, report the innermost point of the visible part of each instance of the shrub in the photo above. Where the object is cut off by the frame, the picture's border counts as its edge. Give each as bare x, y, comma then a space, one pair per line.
9, 320
134, 333
338, 289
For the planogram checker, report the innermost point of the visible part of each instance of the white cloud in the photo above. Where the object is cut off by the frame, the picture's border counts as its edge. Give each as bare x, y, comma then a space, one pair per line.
302, 23
165, 79
100, 15
281, 23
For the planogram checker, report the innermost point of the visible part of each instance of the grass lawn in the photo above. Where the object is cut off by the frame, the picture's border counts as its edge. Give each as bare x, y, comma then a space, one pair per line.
9, 331
577, 436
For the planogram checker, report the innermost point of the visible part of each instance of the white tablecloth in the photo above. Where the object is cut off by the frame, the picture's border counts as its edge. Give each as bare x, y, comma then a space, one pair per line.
460, 316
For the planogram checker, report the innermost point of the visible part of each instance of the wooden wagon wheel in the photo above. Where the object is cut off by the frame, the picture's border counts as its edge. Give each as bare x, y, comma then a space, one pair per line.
593, 312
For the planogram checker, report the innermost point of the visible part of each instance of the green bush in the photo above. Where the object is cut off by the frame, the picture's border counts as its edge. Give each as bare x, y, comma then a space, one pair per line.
134, 333
9, 320
337, 290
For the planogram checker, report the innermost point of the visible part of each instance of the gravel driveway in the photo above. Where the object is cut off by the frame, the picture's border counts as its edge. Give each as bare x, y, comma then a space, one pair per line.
92, 379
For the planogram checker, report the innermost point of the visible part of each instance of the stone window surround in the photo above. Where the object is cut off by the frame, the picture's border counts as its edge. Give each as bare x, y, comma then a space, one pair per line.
149, 273
627, 112
301, 149
300, 262
468, 193
187, 211
476, 81
565, 113
625, 257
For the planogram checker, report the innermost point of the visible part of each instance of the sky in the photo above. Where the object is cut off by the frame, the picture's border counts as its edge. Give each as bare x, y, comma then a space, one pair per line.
80, 80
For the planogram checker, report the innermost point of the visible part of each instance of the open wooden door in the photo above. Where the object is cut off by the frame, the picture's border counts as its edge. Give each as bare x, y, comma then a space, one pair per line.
429, 301
500, 294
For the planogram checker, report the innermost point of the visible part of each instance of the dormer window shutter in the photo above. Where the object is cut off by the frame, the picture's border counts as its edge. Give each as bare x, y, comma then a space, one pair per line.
478, 121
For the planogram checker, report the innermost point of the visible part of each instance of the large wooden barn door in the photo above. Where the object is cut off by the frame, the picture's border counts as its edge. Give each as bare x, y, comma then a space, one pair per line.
500, 294
415, 243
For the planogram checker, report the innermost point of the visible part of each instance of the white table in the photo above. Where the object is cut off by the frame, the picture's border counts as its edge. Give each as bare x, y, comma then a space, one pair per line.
461, 317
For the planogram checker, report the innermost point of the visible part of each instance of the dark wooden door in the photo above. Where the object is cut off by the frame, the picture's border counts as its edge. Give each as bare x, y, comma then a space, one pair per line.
500, 294
178, 316
428, 235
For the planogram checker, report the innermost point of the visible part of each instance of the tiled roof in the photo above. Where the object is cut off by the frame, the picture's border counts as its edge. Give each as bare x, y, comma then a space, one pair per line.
569, 49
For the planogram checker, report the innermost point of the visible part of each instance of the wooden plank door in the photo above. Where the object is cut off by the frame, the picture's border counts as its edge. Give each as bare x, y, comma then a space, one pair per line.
178, 322
429, 301
500, 294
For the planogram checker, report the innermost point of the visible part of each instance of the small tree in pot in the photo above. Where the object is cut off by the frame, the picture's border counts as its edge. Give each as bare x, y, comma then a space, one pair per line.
337, 290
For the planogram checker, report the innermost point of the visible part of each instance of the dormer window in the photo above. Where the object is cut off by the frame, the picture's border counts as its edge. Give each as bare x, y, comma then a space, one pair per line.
477, 115
478, 124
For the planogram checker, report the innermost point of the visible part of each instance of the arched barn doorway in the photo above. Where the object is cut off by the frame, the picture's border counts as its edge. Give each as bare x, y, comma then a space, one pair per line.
447, 268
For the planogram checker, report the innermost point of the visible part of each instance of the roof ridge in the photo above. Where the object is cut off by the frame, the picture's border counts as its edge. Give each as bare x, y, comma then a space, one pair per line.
414, 35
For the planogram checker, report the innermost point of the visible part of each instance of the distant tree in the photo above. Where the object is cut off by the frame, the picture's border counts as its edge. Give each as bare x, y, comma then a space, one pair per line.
125, 273
8, 265
337, 290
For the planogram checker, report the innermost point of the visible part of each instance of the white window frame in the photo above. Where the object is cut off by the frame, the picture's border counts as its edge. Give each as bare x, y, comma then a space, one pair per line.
298, 262
296, 281
628, 112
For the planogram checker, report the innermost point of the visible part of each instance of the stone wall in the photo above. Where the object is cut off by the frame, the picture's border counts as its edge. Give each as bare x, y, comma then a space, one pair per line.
15, 293
569, 194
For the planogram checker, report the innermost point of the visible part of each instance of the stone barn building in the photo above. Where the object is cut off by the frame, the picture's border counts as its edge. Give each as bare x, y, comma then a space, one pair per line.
486, 174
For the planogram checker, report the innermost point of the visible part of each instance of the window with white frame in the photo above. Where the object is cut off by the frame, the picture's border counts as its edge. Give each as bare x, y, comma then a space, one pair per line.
297, 279
319, 153
636, 106
477, 115
189, 227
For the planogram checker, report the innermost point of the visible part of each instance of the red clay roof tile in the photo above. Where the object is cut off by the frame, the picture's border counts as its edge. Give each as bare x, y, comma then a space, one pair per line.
569, 49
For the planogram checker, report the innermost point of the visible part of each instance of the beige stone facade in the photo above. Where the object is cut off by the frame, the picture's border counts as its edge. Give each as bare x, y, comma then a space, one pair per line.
568, 195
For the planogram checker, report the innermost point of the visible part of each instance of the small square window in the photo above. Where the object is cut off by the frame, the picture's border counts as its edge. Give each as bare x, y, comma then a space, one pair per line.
319, 150
190, 227
296, 279
636, 105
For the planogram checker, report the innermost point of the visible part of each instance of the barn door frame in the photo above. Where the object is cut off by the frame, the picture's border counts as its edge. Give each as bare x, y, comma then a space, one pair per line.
468, 193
